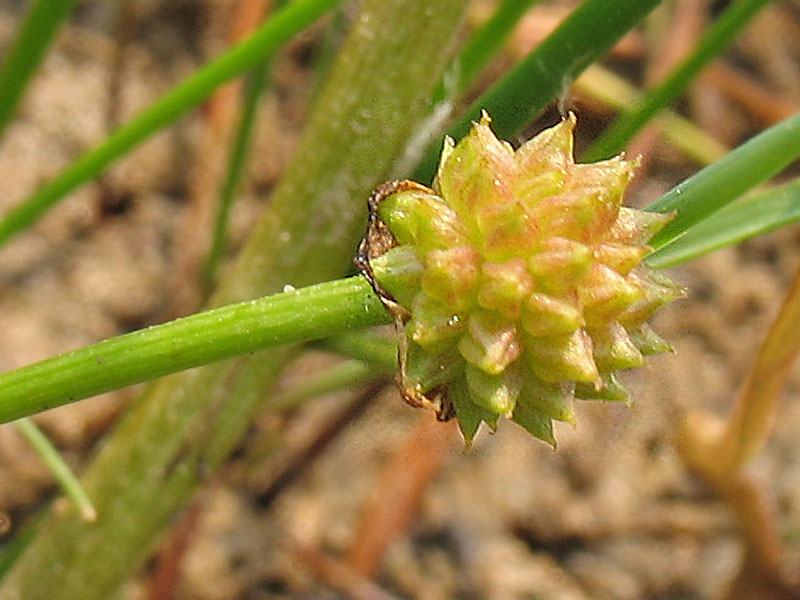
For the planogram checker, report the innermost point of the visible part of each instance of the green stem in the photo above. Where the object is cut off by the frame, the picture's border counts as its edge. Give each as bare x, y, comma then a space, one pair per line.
60, 470
338, 377
480, 48
237, 161
605, 86
188, 94
43, 20
309, 313
236, 165
715, 40
584, 36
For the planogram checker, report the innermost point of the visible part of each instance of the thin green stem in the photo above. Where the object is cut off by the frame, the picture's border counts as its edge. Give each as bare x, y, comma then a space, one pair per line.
55, 463
23, 58
236, 165
480, 48
717, 185
186, 95
364, 345
309, 313
715, 40
340, 376
237, 161
584, 36
605, 86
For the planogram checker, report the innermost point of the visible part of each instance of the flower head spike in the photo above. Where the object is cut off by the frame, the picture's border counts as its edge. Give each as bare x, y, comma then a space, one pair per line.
517, 283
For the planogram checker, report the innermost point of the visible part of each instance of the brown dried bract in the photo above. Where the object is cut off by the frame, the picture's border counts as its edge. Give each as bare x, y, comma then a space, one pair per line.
376, 242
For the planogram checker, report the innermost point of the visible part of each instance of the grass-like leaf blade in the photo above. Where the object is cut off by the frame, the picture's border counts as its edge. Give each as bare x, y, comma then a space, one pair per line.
741, 220
308, 313
716, 186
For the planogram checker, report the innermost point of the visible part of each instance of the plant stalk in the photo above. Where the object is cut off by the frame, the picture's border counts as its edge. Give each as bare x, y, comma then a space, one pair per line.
309, 313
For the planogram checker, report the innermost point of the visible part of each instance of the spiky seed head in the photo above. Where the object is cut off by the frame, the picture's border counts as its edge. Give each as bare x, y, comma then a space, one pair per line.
517, 280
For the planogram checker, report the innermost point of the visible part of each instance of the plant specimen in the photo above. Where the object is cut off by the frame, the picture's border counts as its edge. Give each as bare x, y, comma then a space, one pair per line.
517, 281
374, 105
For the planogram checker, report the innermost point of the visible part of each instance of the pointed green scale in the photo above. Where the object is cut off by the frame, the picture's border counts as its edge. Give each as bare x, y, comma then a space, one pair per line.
536, 423
648, 341
604, 293
559, 263
619, 257
604, 183
469, 414
569, 213
433, 325
548, 316
477, 173
447, 149
563, 358
504, 287
505, 232
655, 292
553, 400
550, 150
543, 164
498, 393
529, 191
426, 370
422, 220
612, 175
614, 350
612, 390
637, 227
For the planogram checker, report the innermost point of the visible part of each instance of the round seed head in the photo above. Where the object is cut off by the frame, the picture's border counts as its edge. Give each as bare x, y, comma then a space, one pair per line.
517, 280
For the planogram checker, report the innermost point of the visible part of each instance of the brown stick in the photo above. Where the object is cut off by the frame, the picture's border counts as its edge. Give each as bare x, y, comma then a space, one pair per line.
673, 47
767, 107
338, 576
396, 497
196, 227
170, 560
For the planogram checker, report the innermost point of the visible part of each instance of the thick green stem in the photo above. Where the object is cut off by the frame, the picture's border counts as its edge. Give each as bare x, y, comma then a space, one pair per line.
246, 327
187, 424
